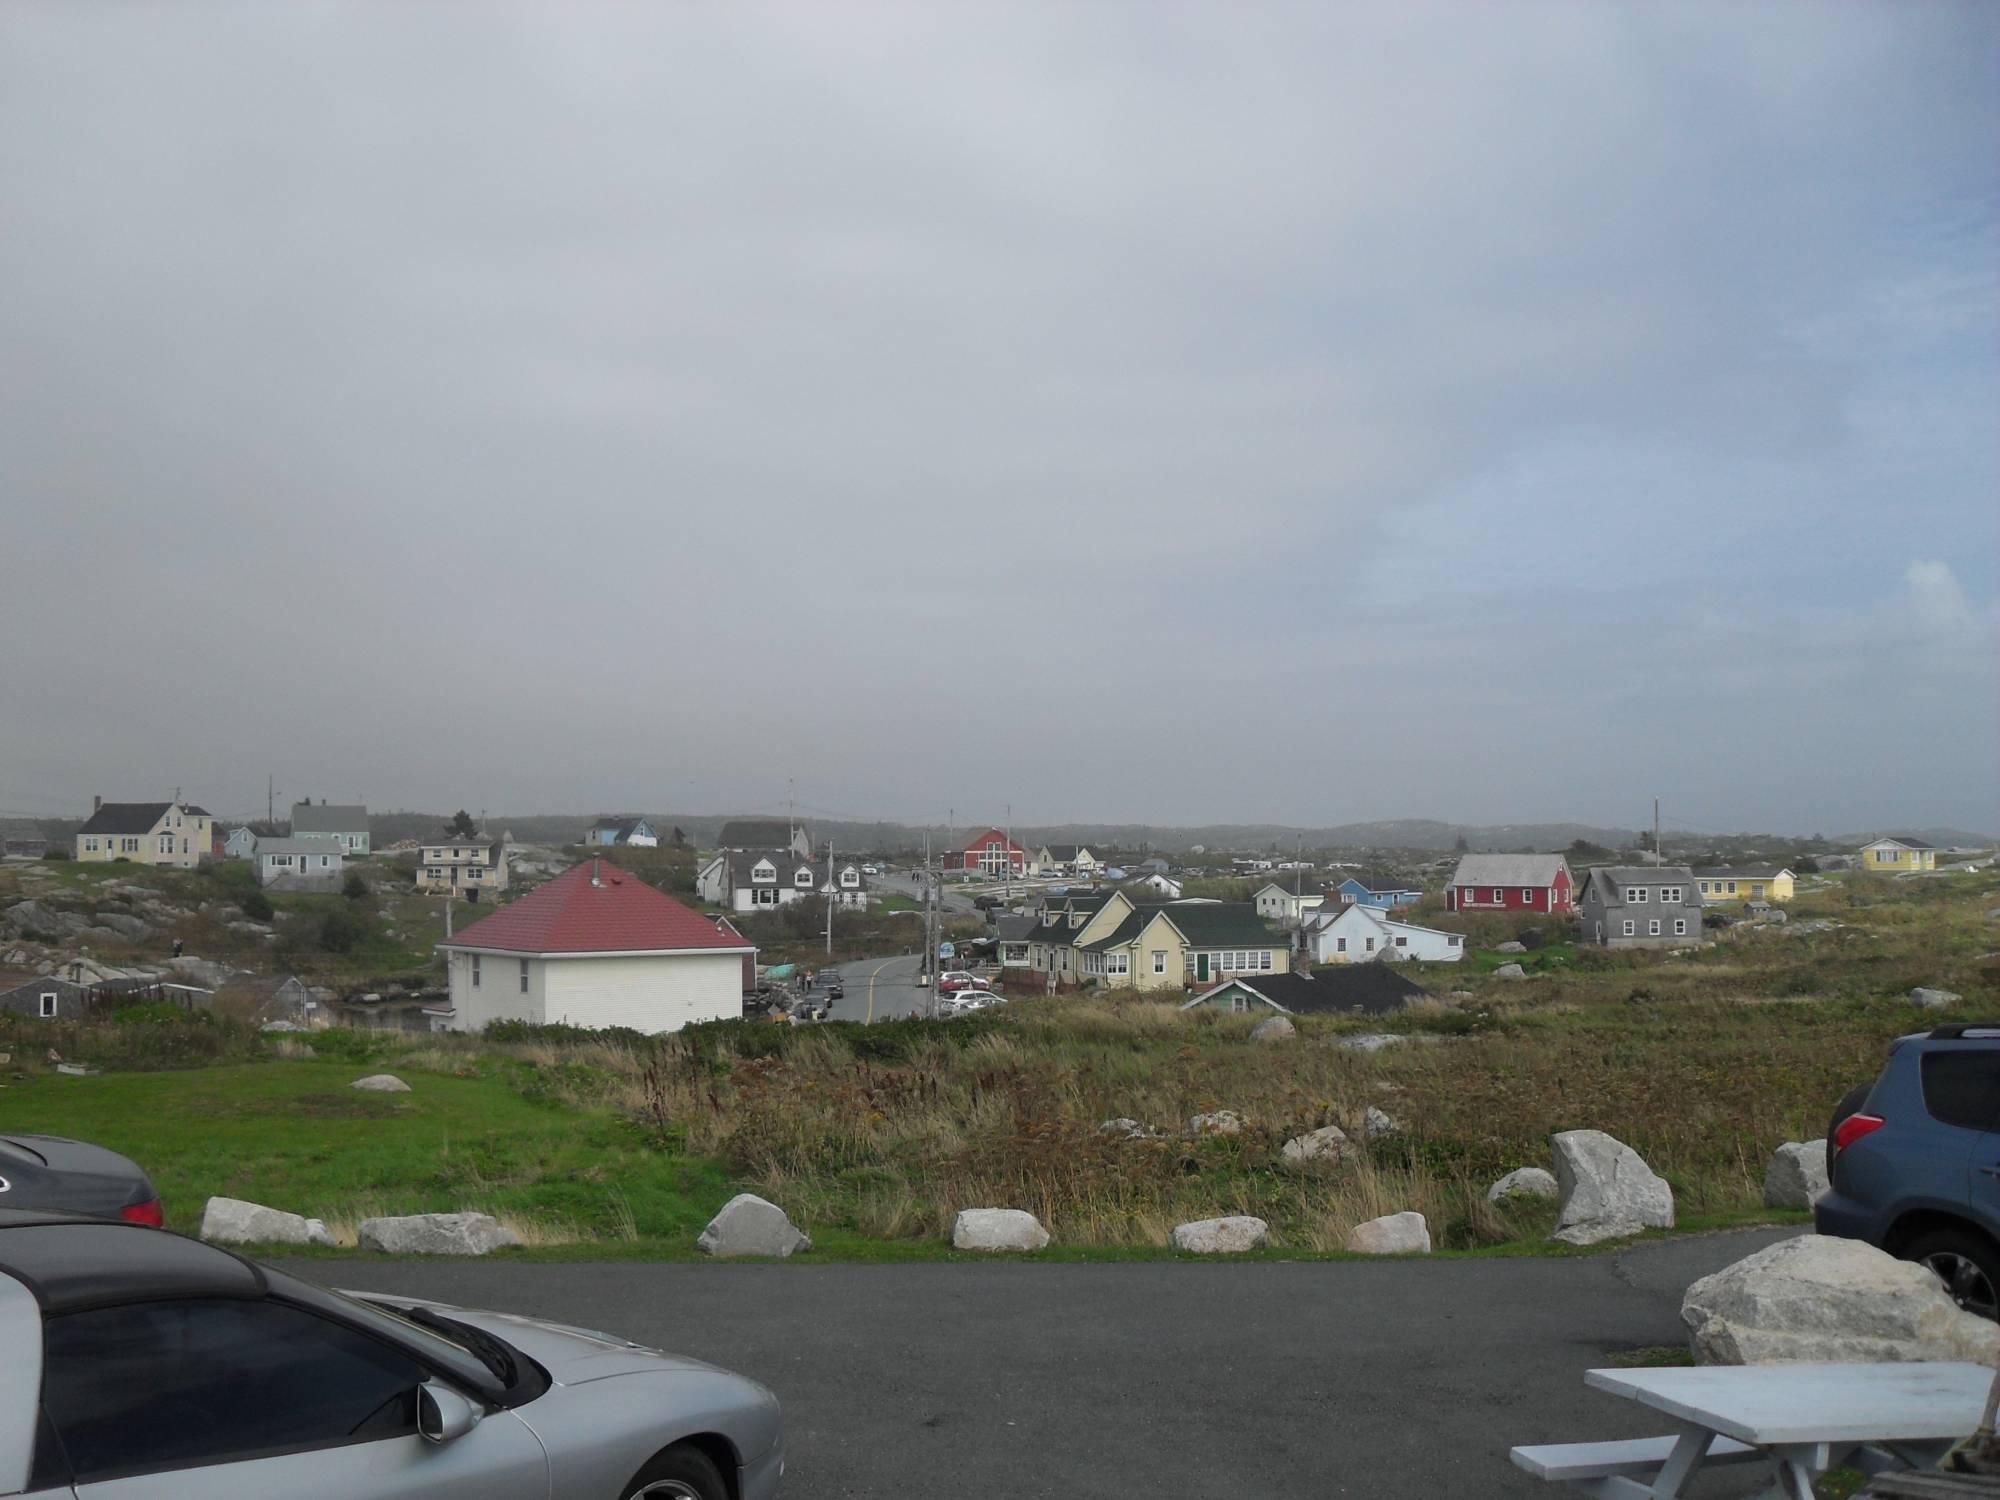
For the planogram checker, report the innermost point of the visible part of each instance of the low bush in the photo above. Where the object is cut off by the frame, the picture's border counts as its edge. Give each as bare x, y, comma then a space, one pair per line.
257, 907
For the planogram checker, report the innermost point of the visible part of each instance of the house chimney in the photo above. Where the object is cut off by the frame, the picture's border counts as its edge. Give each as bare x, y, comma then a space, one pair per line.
597, 872
96, 803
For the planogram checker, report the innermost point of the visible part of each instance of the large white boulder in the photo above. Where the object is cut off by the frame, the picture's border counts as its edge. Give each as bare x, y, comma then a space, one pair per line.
234, 1221
381, 1083
1934, 999
1377, 1123
1607, 1189
1405, 1233
1510, 971
749, 1225
1524, 1182
1274, 1029
1818, 1299
1230, 1236
436, 1234
1328, 1144
997, 1229
1796, 1176
1372, 1041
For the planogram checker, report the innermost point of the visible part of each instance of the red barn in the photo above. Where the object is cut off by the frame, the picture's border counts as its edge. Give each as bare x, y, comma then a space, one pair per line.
1511, 882
993, 851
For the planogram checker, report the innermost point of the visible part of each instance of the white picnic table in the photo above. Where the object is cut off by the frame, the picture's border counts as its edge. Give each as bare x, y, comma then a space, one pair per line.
1801, 1420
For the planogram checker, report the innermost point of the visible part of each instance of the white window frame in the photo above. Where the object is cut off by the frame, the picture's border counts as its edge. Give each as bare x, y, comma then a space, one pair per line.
1159, 960
1631, 928
1368, 945
49, 1001
1264, 961
803, 880
1670, 895
1118, 963
1680, 926
1652, 927
763, 871
1528, 894
1340, 945
1499, 896
1402, 942
1638, 895
475, 971
524, 976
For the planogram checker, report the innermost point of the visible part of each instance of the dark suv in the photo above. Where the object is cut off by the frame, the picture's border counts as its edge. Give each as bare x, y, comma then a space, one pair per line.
1914, 1160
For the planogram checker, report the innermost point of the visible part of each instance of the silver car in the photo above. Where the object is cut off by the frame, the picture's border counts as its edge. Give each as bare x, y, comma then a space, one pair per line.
141, 1364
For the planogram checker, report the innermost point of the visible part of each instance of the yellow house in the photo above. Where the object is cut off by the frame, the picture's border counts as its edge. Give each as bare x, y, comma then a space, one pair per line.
1896, 855
1173, 944
176, 834
1745, 883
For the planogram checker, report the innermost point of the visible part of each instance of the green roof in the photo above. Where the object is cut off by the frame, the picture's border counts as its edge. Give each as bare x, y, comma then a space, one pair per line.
1204, 924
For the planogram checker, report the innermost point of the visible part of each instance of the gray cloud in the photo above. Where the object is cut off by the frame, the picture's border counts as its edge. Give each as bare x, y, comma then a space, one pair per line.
1304, 413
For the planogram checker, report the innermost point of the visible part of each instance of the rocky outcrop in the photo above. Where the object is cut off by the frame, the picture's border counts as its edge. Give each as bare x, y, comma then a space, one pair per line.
1817, 1299
1930, 999
1230, 1236
997, 1229
1328, 1144
1524, 1182
436, 1234
749, 1225
1510, 971
1796, 1175
233, 1221
1371, 1041
381, 1083
1510, 947
1377, 1123
1222, 1122
1127, 1128
1405, 1233
1607, 1189
1274, 1029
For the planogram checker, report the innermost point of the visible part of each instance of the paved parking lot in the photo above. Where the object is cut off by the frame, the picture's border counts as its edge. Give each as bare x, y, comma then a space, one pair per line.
1388, 1380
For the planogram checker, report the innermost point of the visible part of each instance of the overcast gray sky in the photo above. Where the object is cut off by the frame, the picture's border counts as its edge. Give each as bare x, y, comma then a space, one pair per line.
1303, 413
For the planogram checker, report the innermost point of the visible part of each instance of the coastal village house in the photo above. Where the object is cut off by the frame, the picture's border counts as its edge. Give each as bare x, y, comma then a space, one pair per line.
241, 843
762, 880
1364, 989
1640, 906
1746, 883
1358, 934
994, 854
315, 864
1287, 908
175, 834
345, 822
461, 865
597, 947
1897, 854
1111, 940
744, 834
1067, 859
22, 838
1376, 890
608, 832
1511, 882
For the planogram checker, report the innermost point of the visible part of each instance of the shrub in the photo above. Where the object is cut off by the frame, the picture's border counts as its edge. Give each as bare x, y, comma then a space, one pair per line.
151, 1013
257, 906
341, 928
55, 852
355, 888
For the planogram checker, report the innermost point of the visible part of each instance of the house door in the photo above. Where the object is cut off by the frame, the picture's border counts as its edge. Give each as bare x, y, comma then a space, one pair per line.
1201, 967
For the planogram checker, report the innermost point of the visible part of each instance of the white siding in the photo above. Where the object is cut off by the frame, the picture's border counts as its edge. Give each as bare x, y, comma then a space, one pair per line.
652, 993
498, 996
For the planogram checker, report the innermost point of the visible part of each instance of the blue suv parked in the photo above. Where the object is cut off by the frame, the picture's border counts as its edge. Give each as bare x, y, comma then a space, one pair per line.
1914, 1160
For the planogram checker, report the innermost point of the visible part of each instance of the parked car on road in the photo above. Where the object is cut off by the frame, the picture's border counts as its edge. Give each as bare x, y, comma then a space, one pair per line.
51, 1172
958, 979
1913, 1160
145, 1363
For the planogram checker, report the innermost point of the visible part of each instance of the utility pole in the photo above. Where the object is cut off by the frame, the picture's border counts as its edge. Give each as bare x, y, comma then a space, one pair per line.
830, 889
1657, 855
270, 797
1009, 853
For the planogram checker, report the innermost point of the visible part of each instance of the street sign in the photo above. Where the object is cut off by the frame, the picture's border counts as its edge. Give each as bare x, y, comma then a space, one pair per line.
946, 950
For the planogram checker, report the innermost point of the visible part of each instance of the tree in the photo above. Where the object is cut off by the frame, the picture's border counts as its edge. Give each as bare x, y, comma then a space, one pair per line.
1461, 846
461, 825
341, 928
257, 907
355, 888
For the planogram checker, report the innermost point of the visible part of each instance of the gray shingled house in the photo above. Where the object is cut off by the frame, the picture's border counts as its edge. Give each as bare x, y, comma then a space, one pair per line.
1640, 906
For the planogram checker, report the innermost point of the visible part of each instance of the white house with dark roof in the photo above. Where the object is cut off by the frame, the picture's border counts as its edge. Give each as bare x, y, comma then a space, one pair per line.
762, 880
301, 864
743, 835
175, 834
1359, 934
456, 865
345, 822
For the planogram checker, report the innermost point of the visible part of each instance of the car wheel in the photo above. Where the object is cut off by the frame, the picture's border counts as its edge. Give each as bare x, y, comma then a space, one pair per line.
1850, 1104
681, 1473
1967, 1263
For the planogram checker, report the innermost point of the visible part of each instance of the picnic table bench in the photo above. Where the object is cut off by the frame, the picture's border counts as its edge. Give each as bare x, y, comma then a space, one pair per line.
1801, 1420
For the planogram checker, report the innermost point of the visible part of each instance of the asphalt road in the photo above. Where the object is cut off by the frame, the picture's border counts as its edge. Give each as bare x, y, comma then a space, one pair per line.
881, 989
1393, 1380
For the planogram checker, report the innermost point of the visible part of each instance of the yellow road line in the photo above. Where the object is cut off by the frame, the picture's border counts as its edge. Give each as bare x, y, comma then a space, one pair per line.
865, 1020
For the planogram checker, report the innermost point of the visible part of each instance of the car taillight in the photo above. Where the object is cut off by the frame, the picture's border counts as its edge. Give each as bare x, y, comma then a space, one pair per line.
144, 1213
1853, 1128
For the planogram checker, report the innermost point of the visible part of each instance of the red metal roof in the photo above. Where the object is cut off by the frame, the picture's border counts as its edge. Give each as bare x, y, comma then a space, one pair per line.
596, 908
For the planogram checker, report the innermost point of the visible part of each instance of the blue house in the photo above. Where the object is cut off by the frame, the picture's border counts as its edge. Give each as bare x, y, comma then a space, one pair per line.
1376, 890
635, 831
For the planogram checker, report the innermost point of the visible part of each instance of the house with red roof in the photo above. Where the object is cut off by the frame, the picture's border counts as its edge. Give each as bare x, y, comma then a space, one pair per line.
597, 946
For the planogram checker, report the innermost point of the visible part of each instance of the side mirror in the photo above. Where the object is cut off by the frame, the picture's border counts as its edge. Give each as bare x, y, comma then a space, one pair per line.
443, 1414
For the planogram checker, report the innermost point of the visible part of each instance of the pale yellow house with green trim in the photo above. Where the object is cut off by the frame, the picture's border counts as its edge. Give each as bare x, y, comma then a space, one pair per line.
177, 834
1166, 945
1896, 855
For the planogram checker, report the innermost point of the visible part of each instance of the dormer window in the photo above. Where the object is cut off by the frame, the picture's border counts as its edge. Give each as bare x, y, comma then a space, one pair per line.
804, 879
850, 878
763, 870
